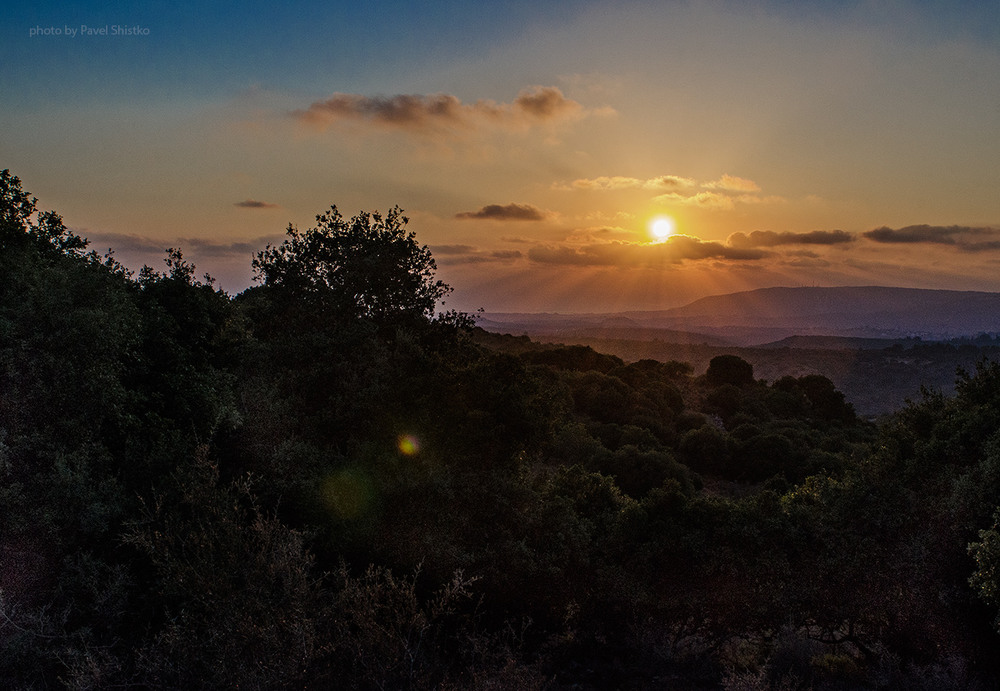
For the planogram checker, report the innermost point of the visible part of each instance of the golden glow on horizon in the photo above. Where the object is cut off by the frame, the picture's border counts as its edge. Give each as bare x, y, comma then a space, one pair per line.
662, 227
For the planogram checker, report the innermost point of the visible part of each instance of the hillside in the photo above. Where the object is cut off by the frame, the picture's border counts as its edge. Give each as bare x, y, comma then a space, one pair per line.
875, 381
849, 311
771, 314
878, 345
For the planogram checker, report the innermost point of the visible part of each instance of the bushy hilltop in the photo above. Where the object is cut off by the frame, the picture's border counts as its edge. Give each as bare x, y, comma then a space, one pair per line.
320, 482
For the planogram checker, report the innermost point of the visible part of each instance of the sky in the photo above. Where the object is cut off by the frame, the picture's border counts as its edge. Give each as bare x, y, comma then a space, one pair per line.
532, 145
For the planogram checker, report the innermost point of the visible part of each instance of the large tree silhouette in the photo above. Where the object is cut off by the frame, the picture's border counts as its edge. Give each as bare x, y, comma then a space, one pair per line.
368, 267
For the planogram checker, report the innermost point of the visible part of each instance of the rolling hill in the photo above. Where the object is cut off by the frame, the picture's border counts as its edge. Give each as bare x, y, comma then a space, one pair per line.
767, 315
878, 345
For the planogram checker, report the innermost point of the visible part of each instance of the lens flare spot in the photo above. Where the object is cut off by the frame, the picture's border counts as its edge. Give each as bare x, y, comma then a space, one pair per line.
347, 494
408, 445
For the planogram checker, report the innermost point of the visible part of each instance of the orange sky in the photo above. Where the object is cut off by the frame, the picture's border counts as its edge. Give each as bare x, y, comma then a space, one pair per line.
791, 143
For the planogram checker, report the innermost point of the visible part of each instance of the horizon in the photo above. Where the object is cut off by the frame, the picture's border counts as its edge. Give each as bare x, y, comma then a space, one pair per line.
579, 159
752, 290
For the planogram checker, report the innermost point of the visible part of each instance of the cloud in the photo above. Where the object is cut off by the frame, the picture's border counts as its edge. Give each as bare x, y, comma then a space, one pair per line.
254, 204
668, 182
704, 200
208, 248
505, 212
715, 200
677, 249
122, 242
619, 182
616, 182
533, 106
504, 255
467, 254
724, 193
768, 238
964, 238
544, 103
732, 183
135, 245
937, 235
757, 199
601, 234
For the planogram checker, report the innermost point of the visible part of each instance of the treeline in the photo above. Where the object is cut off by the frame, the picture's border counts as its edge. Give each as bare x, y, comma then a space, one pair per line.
877, 381
322, 482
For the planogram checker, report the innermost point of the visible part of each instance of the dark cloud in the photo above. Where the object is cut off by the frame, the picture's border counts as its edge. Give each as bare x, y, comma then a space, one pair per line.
675, 250
416, 112
122, 242
135, 245
505, 212
768, 238
965, 238
939, 235
980, 246
208, 248
467, 254
254, 204
506, 255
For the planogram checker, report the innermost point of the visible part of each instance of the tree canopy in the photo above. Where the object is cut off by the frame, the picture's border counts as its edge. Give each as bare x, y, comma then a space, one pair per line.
368, 267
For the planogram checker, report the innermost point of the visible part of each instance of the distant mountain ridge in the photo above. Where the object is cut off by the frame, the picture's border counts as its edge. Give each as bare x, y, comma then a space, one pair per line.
767, 315
916, 308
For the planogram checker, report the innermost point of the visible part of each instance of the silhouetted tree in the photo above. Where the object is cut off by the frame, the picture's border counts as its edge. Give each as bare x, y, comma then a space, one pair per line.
729, 369
368, 267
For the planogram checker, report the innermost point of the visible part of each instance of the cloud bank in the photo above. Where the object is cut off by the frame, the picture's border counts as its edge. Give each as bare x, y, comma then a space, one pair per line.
467, 254
724, 193
966, 238
505, 212
731, 183
533, 106
768, 238
675, 250
618, 182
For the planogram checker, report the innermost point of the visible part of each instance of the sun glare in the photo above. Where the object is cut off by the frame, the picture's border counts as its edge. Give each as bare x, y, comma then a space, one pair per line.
662, 227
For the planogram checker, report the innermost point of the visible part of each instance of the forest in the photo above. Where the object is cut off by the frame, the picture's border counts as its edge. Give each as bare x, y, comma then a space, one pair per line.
325, 482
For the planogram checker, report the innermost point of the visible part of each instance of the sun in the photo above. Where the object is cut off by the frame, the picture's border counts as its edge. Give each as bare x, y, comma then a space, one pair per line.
662, 227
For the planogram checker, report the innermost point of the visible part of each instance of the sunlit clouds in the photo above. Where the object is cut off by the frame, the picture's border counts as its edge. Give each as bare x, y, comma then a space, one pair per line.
619, 182
673, 250
724, 193
731, 183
